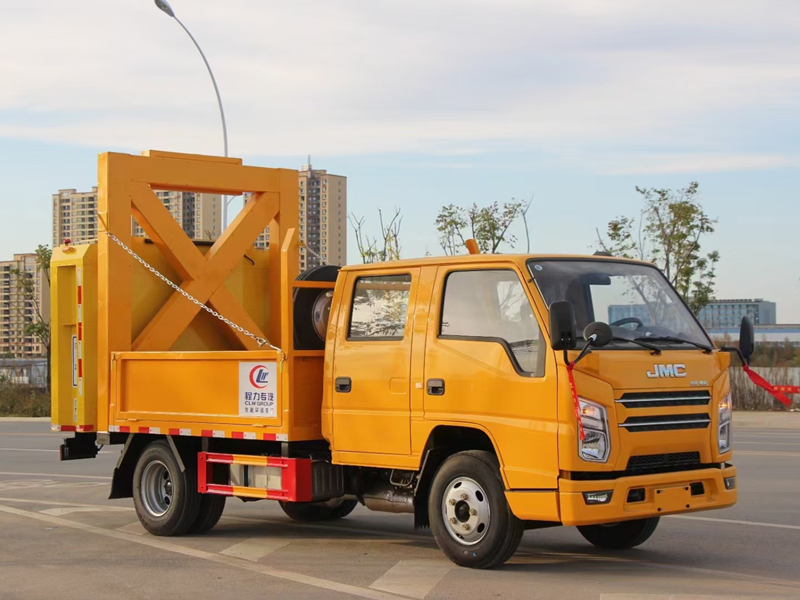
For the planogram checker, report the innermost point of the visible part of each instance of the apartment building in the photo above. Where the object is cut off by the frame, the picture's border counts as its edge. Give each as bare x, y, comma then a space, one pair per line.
322, 205
16, 311
75, 215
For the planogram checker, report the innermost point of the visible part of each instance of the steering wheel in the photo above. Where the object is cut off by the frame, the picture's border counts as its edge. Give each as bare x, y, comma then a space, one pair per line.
626, 320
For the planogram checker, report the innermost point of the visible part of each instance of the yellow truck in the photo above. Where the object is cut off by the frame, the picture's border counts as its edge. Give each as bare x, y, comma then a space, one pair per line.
456, 389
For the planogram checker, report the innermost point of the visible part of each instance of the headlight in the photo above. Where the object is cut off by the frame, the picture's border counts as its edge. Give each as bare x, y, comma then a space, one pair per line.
595, 446
724, 430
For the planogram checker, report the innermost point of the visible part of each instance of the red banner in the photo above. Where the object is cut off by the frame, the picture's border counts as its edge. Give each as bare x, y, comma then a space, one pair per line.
572, 387
777, 391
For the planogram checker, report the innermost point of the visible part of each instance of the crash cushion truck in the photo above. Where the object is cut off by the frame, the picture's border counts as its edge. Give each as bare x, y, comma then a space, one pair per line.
438, 387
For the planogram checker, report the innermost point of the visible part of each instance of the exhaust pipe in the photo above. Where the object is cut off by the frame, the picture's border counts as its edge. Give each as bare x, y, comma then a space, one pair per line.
389, 499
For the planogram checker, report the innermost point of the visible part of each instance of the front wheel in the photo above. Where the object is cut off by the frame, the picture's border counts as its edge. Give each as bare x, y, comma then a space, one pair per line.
470, 518
620, 536
330, 510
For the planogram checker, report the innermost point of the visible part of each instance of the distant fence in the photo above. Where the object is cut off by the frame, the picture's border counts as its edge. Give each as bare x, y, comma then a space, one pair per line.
747, 396
24, 371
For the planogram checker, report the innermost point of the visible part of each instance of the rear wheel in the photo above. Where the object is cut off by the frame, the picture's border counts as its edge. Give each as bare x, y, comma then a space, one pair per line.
211, 507
470, 518
166, 499
330, 510
619, 536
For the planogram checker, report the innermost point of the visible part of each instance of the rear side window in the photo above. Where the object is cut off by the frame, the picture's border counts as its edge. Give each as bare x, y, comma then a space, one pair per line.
491, 305
380, 307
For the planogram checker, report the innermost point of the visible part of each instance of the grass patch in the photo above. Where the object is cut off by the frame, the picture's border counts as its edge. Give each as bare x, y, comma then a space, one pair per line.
23, 401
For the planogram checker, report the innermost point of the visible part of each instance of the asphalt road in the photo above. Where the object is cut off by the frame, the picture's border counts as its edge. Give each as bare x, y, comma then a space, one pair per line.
61, 537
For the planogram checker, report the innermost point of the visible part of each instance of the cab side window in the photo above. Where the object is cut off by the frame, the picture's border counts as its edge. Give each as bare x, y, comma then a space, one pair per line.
491, 305
380, 307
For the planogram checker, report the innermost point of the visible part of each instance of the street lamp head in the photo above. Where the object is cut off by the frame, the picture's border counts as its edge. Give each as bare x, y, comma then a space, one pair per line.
164, 6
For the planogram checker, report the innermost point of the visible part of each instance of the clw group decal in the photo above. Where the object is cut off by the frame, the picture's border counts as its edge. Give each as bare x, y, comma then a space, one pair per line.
259, 377
258, 389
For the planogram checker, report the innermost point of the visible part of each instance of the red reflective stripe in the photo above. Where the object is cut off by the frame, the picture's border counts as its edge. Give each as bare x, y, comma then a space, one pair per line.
80, 367
207, 433
237, 435
80, 331
68, 428
124, 429
174, 431
574, 390
144, 430
270, 437
85, 428
80, 294
766, 385
220, 490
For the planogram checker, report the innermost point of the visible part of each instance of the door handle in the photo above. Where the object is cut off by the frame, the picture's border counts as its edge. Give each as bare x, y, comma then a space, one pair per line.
436, 387
343, 385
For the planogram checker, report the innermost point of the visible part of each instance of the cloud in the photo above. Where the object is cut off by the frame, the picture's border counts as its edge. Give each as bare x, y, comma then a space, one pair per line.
671, 81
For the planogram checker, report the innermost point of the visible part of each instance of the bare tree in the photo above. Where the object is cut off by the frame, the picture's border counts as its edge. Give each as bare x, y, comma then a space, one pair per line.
378, 249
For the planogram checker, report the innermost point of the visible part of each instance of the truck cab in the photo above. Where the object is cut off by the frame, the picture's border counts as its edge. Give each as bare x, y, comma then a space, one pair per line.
427, 359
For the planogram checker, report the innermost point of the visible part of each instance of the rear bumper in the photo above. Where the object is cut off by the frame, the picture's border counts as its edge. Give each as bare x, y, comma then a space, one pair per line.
664, 494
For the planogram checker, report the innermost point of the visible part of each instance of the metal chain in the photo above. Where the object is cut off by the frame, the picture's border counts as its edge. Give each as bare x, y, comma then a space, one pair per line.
260, 341
322, 261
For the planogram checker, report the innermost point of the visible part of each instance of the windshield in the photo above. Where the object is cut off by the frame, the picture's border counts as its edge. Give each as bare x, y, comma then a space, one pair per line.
636, 300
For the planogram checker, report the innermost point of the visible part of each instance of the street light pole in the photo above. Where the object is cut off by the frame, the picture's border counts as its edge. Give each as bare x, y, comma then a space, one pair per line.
165, 7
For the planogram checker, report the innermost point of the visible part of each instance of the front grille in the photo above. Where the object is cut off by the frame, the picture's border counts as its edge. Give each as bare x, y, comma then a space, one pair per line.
659, 399
677, 461
666, 422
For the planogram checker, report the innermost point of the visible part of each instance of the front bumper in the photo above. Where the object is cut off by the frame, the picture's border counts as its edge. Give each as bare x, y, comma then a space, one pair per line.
664, 494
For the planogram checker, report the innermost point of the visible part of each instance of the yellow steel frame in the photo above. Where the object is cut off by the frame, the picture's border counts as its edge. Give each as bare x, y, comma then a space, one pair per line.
126, 185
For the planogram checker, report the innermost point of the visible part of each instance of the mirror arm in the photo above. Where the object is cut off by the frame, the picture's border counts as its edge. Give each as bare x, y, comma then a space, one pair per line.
734, 350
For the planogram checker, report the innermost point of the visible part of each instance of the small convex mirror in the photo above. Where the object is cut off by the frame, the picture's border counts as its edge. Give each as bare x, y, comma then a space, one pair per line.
597, 334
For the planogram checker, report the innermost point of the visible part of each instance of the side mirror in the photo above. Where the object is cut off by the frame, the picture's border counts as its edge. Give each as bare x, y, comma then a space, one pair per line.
562, 326
747, 339
597, 334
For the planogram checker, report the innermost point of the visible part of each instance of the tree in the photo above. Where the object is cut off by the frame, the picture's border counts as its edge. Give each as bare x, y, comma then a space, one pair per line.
488, 225
668, 234
37, 325
375, 249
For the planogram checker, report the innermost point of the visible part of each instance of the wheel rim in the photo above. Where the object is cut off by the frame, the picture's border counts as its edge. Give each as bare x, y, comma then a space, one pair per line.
321, 312
465, 508
157, 488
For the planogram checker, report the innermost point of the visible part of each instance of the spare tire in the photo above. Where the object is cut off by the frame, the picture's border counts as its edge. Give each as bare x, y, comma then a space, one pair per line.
312, 308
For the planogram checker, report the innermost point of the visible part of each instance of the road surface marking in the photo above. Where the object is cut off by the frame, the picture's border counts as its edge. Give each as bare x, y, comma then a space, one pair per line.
42, 450
734, 522
27, 484
54, 503
255, 548
136, 528
66, 510
210, 556
57, 475
413, 578
764, 453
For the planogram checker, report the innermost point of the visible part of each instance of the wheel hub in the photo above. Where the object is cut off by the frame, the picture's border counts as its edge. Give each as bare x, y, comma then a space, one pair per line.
157, 488
466, 512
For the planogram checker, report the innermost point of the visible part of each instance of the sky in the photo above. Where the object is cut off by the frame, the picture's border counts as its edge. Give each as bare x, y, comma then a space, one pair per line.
572, 103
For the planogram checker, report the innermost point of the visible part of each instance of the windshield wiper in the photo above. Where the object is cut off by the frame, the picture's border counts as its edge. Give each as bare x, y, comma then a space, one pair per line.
677, 340
656, 350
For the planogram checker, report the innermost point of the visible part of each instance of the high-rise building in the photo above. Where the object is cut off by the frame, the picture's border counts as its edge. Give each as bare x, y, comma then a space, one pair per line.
721, 314
323, 218
16, 310
200, 215
75, 215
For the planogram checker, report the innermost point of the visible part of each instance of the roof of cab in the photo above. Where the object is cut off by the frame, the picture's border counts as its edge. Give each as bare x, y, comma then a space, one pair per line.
468, 259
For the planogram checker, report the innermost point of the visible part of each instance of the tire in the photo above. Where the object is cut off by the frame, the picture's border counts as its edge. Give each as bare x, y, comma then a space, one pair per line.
306, 322
319, 511
166, 500
493, 533
211, 507
620, 536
